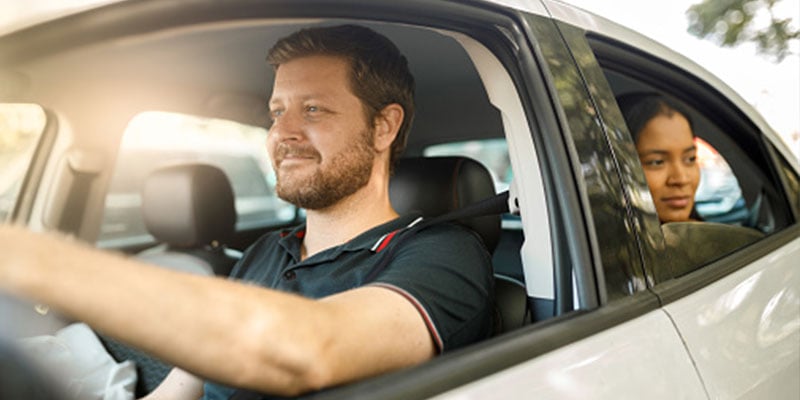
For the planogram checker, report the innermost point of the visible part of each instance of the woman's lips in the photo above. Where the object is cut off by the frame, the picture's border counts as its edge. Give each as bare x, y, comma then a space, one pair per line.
676, 201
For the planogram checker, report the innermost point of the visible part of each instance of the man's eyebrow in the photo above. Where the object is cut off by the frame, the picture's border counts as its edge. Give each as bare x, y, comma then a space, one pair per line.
690, 148
313, 96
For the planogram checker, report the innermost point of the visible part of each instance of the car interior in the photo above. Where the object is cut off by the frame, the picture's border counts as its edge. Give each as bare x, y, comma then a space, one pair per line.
217, 72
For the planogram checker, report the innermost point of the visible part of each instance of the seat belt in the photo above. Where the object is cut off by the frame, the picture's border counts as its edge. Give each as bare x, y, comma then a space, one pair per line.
494, 205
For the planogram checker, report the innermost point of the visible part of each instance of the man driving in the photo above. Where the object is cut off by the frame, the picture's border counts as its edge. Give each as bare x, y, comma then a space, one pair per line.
302, 311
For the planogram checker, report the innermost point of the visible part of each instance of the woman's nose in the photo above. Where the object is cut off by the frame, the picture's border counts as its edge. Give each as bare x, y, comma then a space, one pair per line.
678, 175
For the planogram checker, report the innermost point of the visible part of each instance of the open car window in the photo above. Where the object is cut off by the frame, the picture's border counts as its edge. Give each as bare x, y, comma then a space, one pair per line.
740, 198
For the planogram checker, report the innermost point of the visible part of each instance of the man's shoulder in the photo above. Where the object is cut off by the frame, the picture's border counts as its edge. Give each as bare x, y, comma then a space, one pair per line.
448, 231
447, 237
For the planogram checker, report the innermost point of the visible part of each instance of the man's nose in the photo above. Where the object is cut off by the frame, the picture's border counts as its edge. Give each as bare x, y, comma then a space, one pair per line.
288, 126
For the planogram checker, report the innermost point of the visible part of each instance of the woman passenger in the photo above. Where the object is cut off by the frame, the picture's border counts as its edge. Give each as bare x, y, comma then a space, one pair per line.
665, 142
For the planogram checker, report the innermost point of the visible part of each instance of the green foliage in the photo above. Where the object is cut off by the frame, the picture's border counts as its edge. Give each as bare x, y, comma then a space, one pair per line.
731, 22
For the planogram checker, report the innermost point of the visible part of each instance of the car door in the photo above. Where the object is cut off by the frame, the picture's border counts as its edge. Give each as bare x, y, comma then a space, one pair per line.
735, 308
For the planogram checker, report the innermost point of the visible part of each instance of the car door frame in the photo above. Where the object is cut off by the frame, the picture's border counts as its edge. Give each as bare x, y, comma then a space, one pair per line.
737, 315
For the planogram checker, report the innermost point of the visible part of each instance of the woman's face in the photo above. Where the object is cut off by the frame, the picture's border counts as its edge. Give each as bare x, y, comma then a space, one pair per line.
669, 156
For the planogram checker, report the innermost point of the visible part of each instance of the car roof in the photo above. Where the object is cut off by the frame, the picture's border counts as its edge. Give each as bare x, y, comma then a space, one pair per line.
247, 89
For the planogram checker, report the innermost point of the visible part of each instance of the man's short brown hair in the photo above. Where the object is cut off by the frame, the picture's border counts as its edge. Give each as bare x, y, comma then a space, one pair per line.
379, 73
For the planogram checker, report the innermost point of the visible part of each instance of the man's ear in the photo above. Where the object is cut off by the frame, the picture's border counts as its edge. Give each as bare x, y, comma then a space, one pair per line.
387, 124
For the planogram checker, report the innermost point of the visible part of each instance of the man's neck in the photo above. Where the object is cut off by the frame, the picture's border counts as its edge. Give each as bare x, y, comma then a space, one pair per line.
346, 219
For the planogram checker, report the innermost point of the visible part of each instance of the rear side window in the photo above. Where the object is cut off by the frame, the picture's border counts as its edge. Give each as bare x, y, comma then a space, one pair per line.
157, 139
21, 128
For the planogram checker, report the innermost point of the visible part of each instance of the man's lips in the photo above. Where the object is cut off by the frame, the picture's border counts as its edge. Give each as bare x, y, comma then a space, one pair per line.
291, 158
293, 155
677, 201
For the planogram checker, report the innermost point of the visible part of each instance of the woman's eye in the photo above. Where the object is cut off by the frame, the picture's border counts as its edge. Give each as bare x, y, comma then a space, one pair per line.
653, 163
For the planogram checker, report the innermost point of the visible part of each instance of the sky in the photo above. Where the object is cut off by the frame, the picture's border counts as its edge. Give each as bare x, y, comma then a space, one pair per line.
773, 88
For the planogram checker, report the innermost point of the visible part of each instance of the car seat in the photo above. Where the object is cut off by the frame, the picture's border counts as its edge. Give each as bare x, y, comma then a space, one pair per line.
437, 185
190, 209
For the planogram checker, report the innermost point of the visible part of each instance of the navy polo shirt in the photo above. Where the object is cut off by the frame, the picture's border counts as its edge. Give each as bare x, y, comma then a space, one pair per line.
444, 270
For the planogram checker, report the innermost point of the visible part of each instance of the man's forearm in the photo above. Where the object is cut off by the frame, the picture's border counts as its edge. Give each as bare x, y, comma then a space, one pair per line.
233, 333
210, 326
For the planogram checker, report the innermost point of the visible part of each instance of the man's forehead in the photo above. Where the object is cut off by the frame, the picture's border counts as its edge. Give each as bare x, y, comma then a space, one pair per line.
313, 63
313, 77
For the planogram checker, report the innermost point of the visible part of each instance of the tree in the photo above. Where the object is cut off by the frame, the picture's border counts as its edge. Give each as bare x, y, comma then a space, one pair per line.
731, 22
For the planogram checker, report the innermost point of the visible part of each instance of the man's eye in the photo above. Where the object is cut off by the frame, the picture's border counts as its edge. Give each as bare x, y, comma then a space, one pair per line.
312, 109
691, 160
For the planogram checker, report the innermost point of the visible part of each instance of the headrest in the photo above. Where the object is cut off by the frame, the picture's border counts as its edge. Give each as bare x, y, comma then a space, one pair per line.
437, 185
189, 205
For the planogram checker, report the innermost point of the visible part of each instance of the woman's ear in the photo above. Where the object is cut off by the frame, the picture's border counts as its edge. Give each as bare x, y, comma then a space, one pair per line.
387, 124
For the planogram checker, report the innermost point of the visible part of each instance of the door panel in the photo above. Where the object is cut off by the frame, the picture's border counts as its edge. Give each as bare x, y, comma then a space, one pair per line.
643, 358
743, 331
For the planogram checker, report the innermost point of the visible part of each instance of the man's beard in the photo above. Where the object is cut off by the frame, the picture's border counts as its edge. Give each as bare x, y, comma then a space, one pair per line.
347, 172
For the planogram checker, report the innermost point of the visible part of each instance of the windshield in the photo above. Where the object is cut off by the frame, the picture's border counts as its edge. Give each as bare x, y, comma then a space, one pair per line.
16, 15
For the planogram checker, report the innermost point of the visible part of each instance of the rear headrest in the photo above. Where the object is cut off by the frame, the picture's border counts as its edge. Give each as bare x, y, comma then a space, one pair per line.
189, 205
437, 185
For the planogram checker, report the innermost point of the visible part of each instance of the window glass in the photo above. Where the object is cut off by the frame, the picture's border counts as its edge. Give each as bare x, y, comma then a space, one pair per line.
738, 194
155, 139
21, 127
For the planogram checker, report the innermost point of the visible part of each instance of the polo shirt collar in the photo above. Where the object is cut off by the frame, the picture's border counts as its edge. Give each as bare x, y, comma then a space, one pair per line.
291, 240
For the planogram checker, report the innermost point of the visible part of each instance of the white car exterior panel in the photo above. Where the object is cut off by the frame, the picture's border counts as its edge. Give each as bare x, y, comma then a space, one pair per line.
744, 330
643, 358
